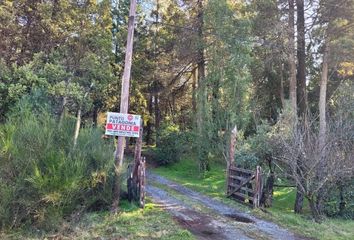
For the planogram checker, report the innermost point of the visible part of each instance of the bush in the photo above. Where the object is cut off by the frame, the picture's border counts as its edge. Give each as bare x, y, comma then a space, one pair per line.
42, 177
255, 149
342, 193
173, 145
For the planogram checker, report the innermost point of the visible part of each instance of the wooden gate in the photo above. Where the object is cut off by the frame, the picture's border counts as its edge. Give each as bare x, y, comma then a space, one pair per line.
244, 185
136, 182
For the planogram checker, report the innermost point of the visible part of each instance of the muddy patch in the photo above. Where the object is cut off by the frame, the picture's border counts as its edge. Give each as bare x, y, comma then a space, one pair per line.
239, 218
202, 225
200, 228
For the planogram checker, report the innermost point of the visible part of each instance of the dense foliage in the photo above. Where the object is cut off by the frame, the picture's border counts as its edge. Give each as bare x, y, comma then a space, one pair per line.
43, 178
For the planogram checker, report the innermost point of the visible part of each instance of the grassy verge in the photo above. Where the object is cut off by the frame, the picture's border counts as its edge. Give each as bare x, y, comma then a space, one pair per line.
213, 184
131, 223
185, 172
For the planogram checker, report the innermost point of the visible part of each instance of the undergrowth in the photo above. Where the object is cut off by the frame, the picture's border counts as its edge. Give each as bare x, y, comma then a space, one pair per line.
43, 177
132, 223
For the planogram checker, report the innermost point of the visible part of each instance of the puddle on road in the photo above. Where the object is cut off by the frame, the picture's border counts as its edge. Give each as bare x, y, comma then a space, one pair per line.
239, 218
206, 232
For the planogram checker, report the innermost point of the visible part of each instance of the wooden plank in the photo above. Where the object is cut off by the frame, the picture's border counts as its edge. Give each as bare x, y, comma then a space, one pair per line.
236, 185
245, 181
241, 195
247, 189
241, 170
236, 177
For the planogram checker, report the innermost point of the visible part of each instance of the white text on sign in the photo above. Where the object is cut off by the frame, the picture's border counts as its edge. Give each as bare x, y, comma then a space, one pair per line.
125, 125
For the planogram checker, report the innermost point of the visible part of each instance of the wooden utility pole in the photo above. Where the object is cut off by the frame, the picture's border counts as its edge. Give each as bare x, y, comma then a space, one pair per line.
124, 102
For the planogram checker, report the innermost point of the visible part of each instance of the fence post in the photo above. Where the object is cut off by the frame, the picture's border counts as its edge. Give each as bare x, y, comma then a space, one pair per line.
258, 187
231, 159
142, 182
137, 152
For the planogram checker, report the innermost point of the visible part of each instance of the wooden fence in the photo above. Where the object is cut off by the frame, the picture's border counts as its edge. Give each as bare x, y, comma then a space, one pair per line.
244, 185
136, 178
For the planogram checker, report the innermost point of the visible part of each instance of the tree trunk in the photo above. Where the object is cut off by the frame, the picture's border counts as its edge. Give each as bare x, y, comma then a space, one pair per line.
77, 126
292, 88
202, 98
291, 59
62, 110
157, 118
281, 90
173, 107
194, 90
231, 158
321, 195
322, 120
94, 115
267, 195
301, 58
63, 105
322, 100
299, 201
215, 108
314, 211
342, 203
149, 122
124, 104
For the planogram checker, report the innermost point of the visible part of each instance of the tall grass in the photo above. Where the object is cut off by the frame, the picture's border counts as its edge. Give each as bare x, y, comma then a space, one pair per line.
43, 178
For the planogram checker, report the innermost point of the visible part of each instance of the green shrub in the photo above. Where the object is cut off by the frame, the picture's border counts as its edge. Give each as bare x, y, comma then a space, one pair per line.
254, 150
174, 144
42, 177
333, 200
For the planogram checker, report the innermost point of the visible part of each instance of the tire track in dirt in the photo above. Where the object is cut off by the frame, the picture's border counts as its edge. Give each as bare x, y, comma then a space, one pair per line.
201, 225
224, 222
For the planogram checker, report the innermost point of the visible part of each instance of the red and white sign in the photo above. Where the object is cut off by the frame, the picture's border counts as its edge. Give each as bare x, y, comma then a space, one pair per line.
125, 125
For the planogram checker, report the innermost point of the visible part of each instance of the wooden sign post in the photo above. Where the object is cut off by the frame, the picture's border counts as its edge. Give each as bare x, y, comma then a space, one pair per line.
124, 103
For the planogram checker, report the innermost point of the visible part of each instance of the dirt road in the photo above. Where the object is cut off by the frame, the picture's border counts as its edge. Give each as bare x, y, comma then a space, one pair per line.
210, 219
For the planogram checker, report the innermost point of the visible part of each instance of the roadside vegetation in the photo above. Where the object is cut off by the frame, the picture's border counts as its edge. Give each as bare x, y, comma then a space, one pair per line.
150, 223
44, 177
